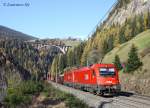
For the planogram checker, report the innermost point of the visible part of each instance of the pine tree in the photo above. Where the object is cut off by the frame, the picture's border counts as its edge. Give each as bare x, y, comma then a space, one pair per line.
148, 15
54, 67
60, 63
110, 43
105, 47
128, 32
133, 60
80, 52
117, 62
122, 38
139, 23
84, 54
116, 36
133, 27
93, 56
146, 20
70, 59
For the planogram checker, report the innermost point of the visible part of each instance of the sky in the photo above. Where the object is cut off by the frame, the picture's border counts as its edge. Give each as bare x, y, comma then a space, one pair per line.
53, 18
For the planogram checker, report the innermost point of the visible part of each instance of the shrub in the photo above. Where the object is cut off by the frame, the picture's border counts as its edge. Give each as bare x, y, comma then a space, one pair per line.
30, 87
23, 93
13, 99
62, 95
72, 102
27, 99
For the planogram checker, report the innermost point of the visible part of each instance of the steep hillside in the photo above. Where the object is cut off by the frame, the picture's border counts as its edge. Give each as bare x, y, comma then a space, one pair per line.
142, 41
9, 72
139, 80
120, 28
120, 14
9, 75
7, 33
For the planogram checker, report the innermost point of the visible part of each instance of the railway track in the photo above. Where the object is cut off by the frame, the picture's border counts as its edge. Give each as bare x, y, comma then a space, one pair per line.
131, 102
124, 100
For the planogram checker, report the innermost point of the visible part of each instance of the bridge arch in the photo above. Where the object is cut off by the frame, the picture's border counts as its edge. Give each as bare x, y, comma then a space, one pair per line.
63, 49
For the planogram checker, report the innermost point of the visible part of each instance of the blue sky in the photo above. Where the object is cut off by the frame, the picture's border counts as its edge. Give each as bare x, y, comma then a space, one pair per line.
54, 18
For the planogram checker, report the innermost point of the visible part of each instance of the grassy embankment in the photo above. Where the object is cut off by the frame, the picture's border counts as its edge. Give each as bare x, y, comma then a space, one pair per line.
139, 80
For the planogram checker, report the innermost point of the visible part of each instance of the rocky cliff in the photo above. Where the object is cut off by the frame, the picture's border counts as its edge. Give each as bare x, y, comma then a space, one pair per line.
120, 14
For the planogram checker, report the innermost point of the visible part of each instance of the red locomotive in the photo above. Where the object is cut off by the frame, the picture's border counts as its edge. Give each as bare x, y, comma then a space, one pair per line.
98, 78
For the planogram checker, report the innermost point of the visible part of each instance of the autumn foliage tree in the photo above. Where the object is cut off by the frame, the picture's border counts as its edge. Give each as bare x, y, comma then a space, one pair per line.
103, 40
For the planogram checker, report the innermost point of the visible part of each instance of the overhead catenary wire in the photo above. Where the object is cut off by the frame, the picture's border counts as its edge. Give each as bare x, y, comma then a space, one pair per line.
103, 18
106, 15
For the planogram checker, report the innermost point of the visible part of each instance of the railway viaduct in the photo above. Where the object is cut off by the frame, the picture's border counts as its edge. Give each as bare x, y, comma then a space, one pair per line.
62, 48
55, 47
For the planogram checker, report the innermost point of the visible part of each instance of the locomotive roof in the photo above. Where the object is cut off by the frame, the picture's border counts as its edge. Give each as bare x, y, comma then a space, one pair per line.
91, 67
79, 69
102, 65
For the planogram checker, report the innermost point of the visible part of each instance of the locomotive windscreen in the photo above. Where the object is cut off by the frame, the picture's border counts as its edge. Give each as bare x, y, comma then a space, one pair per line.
107, 71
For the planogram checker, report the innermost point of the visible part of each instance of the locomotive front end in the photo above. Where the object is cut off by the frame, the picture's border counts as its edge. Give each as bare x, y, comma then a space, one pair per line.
108, 79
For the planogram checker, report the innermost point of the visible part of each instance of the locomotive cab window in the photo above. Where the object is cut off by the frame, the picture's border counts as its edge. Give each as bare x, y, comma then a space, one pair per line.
107, 71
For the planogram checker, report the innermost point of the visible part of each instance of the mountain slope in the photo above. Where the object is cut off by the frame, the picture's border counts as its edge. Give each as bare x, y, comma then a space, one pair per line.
142, 41
7, 33
131, 18
139, 80
120, 14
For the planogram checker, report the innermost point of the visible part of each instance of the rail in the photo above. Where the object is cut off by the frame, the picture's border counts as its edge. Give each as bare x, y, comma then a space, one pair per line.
121, 101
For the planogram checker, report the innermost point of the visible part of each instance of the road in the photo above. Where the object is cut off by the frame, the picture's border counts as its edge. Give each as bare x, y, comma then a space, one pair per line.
124, 100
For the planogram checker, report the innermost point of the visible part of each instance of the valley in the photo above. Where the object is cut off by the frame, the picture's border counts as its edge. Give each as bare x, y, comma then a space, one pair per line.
32, 67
